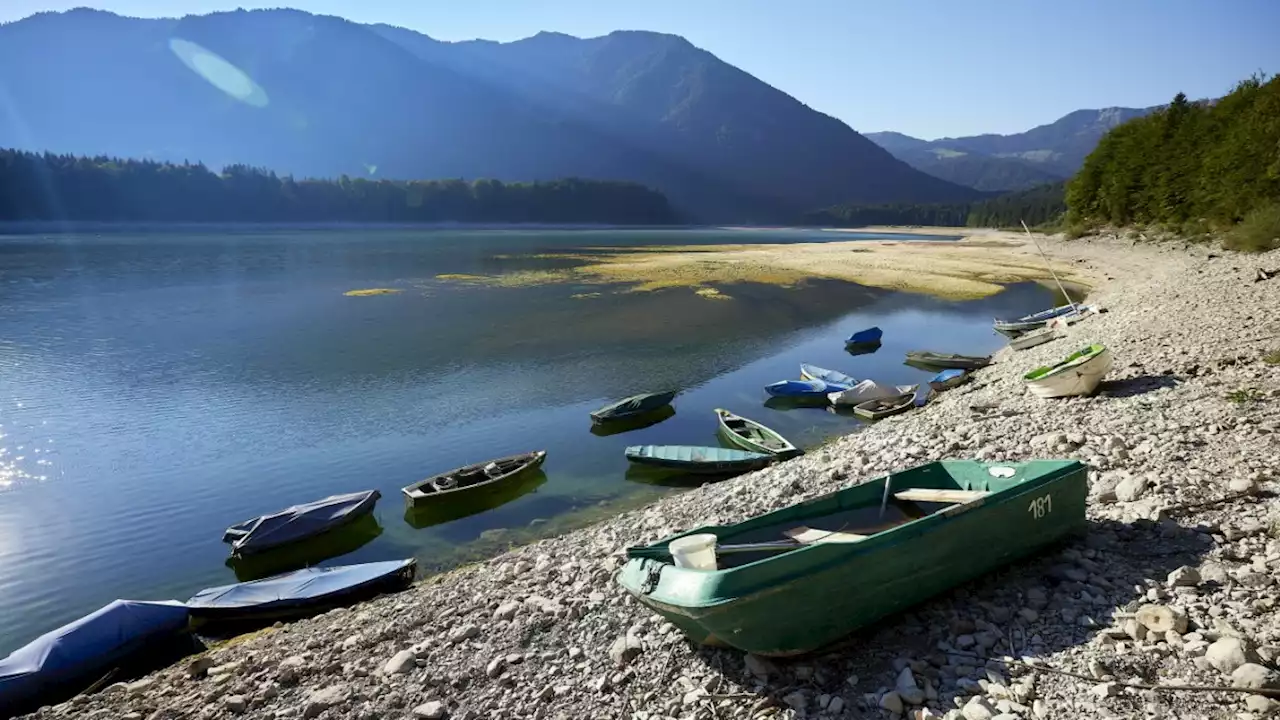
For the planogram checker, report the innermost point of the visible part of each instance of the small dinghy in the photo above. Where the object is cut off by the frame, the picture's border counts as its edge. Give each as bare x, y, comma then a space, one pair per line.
806, 389
301, 592
830, 377
800, 578
884, 407
1079, 374
869, 390
299, 522
1033, 321
751, 435
692, 459
477, 478
63, 662
948, 379
1034, 338
633, 406
947, 360
870, 336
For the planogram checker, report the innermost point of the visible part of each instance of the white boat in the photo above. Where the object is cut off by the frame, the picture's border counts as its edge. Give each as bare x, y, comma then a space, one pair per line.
1079, 374
1032, 339
869, 390
830, 377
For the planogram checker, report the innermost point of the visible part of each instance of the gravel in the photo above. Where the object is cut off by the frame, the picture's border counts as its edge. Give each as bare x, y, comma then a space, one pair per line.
1174, 582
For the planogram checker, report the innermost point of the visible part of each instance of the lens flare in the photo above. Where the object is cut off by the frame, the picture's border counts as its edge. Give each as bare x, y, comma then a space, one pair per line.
221, 74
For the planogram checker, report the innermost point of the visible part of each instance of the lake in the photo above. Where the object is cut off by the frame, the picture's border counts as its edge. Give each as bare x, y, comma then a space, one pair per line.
157, 386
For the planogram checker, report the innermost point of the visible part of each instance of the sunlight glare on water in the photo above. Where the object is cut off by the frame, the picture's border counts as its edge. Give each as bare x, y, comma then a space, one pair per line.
221, 74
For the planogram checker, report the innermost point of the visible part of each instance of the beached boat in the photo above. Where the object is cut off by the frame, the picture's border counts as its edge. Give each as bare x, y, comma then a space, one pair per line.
633, 406
870, 336
830, 377
751, 435
948, 360
693, 459
1033, 321
1079, 374
808, 389
299, 593
797, 579
478, 478
948, 379
65, 661
884, 407
1034, 338
868, 390
299, 522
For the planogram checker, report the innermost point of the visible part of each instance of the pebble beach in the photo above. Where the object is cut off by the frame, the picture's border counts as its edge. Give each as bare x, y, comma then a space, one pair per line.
1163, 607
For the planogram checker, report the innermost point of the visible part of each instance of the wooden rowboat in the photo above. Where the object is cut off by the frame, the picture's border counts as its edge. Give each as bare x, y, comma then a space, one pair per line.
751, 435
948, 360
477, 478
633, 406
795, 580
884, 407
693, 459
1032, 339
1079, 374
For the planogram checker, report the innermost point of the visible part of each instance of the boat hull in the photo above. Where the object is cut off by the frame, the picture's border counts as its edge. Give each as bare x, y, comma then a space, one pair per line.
698, 460
634, 406
806, 599
1078, 379
1033, 339
786, 451
831, 377
419, 494
943, 361
884, 407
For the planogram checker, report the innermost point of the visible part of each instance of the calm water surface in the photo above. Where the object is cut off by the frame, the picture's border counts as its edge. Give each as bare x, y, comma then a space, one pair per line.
157, 387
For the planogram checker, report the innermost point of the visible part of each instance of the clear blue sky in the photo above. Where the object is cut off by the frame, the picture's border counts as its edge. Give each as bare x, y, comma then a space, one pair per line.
929, 69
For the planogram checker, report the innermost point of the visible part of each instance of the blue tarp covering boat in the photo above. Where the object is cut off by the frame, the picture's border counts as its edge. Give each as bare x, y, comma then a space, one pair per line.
870, 336
801, 389
833, 378
948, 379
69, 659
299, 522
300, 591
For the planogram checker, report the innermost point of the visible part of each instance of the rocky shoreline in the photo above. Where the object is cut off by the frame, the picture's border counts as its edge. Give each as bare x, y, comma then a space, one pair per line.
1175, 582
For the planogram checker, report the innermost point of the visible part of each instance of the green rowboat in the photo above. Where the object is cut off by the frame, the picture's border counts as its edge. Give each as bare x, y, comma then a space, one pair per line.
884, 407
693, 459
947, 360
751, 435
797, 579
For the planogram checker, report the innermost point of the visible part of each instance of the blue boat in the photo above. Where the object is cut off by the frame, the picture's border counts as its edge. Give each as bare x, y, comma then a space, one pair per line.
870, 336
832, 378
1033, 321
802, 389
300, 592
948, 379
65, 661
299, 522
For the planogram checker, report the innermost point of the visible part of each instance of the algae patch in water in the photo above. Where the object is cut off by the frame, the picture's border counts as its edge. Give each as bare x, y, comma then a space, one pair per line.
952, 270
372, 291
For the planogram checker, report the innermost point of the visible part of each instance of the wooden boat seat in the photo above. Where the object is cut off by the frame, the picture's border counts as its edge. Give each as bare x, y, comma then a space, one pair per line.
805, 535
955, 497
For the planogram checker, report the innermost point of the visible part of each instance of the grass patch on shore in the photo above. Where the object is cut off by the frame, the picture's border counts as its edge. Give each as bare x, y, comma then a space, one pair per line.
1244, 396
1272, 358
954, 271
1258, 232
372, 291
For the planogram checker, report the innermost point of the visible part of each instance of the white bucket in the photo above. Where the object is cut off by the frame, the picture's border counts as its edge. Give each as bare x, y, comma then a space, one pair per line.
696, 552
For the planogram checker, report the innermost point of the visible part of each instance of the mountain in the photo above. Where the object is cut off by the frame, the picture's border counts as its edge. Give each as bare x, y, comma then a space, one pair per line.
1046, 153
320, 96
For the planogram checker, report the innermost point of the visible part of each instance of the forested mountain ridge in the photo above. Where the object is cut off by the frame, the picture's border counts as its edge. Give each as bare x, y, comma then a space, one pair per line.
330, 97
47, 187
1011, 162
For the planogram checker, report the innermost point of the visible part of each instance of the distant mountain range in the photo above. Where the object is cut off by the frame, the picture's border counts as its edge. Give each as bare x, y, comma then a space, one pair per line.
320, 96
1010, 162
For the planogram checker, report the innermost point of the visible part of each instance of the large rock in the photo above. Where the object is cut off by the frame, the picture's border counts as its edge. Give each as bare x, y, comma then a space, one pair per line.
1162, 618
892, 702
625, 649
1131, 488
432, 710
1227, 654
1185, 576
978, 708
907, 689
1255, 677
400, 663
759, 667
320, 700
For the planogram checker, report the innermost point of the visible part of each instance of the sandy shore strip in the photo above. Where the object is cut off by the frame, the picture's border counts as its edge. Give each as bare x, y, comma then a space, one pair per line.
1183, 445
975, 267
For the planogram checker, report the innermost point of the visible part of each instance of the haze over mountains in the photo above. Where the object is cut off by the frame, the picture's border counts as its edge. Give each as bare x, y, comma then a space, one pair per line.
334, 97
1010, 162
